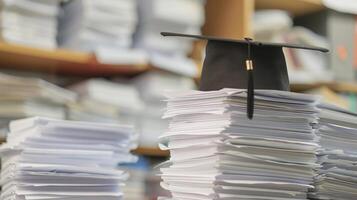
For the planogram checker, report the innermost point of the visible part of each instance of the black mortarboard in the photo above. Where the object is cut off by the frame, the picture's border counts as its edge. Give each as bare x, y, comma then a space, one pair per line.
230, 64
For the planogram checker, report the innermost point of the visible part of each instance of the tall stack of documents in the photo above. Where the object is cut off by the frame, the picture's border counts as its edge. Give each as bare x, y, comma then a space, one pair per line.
56, 159
218, 153
32, 23
92, 24
25, 97
337, 179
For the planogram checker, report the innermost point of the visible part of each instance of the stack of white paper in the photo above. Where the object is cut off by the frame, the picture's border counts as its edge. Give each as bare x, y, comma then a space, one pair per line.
102, 100
92, 24
55, 159
23, 97
183, 16
29, 22
337, 179
217, 153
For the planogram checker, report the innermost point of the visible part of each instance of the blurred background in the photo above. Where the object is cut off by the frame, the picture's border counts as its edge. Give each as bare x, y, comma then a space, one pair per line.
105, 61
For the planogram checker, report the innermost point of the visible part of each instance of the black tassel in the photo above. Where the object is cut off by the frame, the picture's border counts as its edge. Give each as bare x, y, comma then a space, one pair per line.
250, 89
250, 95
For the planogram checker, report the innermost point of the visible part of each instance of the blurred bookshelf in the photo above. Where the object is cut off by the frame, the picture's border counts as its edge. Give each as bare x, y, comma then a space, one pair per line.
60, 61
67, 62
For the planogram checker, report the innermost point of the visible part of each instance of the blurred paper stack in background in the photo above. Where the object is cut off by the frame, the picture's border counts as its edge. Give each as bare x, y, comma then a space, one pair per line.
105, 101
151, 87
183, 16
29, 22
25, 97
337, 178
135, 186
303, 66
90, 24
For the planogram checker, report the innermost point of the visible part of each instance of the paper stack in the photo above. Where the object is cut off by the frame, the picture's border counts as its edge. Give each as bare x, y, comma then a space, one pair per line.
303, 66
92, 24
106, 101
217, 153
32, 23
337, 178
183, 16
151, 87
135, 186
56, 159
25, 97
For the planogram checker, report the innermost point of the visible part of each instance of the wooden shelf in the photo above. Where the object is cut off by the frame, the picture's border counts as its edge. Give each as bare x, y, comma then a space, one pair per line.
295, 7
145, 151
60, 61
335, 86
149, 151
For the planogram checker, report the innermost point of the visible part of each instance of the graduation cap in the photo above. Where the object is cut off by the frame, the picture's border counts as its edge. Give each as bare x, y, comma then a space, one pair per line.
233, 63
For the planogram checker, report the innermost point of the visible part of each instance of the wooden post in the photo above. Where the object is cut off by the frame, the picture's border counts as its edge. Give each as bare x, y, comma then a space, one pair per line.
229, 18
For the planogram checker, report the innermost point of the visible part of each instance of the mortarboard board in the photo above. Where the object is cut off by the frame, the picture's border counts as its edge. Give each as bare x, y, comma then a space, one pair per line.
230, 64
